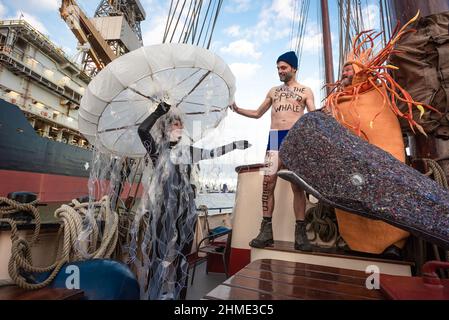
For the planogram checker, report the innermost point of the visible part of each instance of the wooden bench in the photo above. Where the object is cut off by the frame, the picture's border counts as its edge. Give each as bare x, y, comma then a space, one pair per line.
16, 293
269, 279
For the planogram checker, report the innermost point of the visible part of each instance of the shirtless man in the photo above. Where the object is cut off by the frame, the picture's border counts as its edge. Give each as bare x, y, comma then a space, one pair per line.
287, 103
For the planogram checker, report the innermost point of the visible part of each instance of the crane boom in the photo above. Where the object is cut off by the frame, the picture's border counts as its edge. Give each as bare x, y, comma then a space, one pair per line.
99, 51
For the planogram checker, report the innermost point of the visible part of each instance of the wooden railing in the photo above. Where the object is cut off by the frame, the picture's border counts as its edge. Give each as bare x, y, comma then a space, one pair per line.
219, 209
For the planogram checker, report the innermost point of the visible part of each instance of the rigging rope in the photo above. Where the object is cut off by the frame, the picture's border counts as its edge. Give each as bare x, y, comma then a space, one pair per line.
204, 22
292, 25
382, 22
298, 27
194, 26
220, 2
209, 22
355, 17
189, 18
186, 22
320, 54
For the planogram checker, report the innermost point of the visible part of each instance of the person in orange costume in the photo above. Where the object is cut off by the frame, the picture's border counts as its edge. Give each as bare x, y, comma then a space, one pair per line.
365, 103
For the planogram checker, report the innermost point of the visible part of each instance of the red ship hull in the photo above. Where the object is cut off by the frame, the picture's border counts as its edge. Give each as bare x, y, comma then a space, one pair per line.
55, 171
50, 187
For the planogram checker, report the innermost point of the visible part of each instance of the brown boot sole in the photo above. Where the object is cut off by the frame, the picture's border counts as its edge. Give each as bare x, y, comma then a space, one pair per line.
261, 244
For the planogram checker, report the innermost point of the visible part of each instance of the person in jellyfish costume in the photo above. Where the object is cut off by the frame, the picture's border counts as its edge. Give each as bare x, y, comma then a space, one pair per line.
164, 226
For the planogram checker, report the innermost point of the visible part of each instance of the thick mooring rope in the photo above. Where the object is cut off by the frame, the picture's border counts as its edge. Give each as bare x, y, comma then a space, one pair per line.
71, 218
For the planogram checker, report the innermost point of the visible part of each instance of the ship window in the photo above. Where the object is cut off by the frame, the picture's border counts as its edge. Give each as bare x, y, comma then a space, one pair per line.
53, 134
65, 137
83, 143
39, 127
21, 44
2, 39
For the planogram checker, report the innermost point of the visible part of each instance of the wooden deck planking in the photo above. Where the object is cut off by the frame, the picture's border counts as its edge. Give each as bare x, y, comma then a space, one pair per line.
282, 280
16, 293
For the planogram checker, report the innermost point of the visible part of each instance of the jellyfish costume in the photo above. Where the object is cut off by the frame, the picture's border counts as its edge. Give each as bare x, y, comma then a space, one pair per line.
169, 205
126, 96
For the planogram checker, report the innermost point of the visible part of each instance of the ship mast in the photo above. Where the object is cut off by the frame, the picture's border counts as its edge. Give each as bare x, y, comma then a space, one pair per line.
327, 44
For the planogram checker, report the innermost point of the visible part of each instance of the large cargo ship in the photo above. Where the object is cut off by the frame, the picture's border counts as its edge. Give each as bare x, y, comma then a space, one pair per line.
42, 150
40, 91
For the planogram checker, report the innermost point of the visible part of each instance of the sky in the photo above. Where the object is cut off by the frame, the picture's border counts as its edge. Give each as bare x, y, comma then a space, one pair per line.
249, 36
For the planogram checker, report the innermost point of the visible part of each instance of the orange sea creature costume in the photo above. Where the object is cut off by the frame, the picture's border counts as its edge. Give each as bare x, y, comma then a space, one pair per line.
368, 108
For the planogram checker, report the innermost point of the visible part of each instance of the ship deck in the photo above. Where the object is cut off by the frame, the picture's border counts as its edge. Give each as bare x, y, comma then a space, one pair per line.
282, 273
269, 279
203, 283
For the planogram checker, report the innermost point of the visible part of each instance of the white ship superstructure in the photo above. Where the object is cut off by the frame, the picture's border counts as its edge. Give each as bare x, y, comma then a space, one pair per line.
38, 77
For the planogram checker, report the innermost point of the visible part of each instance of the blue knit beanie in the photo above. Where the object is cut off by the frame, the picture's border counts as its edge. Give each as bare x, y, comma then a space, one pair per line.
289, 57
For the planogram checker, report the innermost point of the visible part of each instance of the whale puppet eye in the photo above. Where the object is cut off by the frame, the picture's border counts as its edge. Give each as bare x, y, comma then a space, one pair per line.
357, 179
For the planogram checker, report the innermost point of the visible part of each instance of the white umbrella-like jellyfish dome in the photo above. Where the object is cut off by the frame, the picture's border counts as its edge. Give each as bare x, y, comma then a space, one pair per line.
124, 93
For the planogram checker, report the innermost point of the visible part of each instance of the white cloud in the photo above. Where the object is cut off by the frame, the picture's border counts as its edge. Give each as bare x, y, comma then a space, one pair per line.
274, 22
238, 6
68, 50
153, 27
316, 85
215, 46
283, 8
37, 5
312, 41
47, 4
31, 19
242, 48
233, 31
244, 71
3, 10
371, 16
154, 33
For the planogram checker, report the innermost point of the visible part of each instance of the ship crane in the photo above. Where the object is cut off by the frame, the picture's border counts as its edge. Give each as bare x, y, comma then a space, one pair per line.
132, 10
84, 30
113, 31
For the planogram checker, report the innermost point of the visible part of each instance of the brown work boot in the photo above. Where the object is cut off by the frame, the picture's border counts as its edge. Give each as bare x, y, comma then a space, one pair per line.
301, 241
265, 236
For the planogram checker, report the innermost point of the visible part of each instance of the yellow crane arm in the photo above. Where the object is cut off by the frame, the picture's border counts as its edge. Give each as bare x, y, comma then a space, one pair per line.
100, 52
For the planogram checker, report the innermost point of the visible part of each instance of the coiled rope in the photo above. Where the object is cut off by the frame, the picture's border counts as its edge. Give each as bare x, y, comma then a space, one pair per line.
321, 221
436, 172
71, 218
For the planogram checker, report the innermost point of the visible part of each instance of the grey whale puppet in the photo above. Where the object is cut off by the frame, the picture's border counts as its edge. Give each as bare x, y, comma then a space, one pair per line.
348, 173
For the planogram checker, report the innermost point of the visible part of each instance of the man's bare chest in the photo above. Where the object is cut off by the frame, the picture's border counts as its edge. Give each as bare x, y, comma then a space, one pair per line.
288, 100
